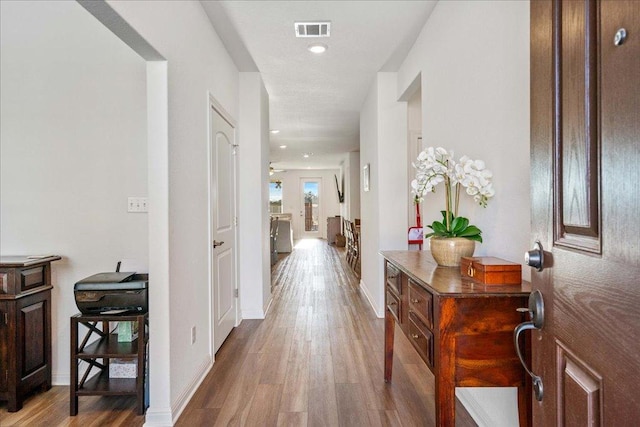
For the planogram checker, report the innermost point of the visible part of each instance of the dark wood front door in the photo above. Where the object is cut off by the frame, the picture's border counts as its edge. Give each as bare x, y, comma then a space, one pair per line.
585, 128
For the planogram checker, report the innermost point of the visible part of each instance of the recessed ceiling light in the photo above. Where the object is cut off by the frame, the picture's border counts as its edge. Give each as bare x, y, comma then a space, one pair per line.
317, 48
283, 146
305, 155
274, 131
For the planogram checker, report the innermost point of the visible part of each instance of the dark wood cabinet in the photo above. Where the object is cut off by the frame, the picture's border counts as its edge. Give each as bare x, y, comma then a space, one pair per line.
4, 347
25, 327
100, 353
334, 227
461, 329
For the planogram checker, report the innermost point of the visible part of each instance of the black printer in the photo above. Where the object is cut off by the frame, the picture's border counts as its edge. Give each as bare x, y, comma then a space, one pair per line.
113, 293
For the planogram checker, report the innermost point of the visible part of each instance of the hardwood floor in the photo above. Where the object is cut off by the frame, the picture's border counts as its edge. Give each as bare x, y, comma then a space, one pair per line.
52, 409
316, 360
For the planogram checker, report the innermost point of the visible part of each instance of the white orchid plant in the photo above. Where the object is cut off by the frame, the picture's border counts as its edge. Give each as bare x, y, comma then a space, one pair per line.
436, 165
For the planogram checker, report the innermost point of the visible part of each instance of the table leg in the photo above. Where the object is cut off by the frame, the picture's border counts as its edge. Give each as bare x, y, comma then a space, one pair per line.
389, 329
524, 404
14, 403
73, 380
445, 402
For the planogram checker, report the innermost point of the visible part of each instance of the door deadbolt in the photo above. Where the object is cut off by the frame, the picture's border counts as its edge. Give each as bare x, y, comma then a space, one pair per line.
535, 257
620, 37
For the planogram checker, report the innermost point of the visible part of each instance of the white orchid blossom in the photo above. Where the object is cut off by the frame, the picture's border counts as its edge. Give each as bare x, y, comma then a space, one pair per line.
436, 165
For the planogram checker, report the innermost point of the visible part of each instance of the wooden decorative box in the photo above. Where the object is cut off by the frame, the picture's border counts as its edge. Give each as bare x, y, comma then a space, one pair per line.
491, 270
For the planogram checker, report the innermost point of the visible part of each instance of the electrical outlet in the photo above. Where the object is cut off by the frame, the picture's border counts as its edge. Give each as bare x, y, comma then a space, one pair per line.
193, 335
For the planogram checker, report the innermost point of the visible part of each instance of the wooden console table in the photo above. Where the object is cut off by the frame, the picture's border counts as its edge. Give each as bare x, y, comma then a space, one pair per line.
462, 330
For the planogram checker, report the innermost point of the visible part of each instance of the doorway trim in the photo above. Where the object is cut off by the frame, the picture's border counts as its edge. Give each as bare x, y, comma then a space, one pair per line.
212, 103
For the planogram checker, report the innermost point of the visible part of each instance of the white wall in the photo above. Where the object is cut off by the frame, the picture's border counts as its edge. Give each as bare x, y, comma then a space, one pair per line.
254, 262
414, 132
475, 98
369, 231
352, 185
292, 196
383, 135
198, 64
73, 148
392, 178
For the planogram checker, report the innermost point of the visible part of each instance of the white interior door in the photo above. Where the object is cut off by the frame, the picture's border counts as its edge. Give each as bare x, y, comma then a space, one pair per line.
310, 208
223, 230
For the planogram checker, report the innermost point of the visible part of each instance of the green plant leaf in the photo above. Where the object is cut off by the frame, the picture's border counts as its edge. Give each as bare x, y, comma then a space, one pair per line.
459, 224
471, 230
439, 228
444, 217
477, 238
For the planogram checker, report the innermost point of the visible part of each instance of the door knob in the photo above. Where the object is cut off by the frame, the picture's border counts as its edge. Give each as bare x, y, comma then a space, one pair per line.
216, 243
536, 313
535, 257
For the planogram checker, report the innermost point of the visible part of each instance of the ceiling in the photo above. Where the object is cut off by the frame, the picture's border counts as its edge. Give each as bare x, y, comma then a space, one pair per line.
315, 99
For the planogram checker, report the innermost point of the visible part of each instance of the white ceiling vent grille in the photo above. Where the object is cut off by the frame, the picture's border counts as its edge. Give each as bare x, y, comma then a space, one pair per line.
313, 29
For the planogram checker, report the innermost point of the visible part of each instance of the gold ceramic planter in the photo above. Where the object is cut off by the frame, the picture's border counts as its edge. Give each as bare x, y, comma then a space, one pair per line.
447, 251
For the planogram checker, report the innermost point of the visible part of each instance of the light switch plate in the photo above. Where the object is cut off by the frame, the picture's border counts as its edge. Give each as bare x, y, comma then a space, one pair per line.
137, 204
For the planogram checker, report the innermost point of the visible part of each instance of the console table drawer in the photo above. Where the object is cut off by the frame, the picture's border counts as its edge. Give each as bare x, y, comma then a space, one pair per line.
32, 278
421, 302
393, 305
421, 338
393, 279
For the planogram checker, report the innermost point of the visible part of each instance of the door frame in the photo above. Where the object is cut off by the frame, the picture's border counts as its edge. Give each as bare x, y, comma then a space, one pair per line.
212, 103
305, 234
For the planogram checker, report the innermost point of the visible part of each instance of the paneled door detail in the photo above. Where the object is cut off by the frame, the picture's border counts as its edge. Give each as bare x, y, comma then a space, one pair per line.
223, 229
585, 152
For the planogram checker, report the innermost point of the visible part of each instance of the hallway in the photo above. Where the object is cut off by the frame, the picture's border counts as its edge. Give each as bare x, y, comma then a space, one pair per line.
317, 359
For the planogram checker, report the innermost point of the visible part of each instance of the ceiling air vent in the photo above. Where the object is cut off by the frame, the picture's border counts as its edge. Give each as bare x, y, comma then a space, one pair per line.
313, 29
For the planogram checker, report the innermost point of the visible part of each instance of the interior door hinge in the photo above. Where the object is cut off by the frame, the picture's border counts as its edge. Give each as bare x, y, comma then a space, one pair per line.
235, 221
235, 293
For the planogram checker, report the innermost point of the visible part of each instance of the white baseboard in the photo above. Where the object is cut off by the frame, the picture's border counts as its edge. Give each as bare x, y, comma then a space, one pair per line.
183, 399
490, 406
65, 379
158, 418
60, 379
266, 310
365, 291
253, 314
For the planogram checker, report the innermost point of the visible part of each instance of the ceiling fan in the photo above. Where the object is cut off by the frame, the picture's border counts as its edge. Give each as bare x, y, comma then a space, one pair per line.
272, 170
